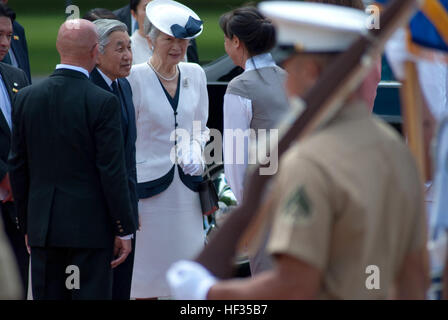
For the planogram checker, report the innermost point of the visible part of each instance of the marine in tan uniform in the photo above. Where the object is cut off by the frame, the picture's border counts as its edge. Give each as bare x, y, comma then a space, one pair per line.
349, 220
348, 203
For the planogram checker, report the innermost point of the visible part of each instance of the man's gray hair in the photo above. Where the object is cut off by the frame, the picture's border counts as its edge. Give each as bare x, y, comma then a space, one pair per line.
104, 28
150, 30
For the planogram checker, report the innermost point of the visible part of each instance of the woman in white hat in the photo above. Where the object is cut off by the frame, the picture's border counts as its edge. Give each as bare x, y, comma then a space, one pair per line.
171, 105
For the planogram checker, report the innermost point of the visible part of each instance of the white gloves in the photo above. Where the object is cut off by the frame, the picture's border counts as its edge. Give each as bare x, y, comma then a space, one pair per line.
191, 161
189, 280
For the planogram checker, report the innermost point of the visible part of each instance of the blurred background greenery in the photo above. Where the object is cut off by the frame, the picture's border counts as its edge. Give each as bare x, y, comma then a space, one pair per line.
41, 20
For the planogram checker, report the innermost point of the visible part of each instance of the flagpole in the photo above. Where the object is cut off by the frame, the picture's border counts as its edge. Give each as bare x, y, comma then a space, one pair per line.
412, 111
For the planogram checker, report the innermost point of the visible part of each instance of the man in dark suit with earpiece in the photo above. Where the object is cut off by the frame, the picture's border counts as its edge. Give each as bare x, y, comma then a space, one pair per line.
18, 53
11, 81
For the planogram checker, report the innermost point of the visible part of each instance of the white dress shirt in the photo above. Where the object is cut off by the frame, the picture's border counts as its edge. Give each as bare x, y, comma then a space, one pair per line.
5, 104
106, 78
238, 115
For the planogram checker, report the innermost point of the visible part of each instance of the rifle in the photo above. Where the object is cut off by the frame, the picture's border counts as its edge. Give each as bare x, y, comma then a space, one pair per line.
322, 102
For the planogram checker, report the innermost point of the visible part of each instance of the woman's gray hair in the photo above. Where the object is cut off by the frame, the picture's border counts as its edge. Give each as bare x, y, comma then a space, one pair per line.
150, 30
104, 28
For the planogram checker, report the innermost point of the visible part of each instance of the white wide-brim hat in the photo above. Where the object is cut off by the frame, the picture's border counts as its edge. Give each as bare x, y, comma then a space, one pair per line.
315, 27
174, 19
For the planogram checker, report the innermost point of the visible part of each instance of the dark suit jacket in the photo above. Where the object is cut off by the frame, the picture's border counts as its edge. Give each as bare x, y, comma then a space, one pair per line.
124, 15
20, 49
67, 162
14, 79
131, 136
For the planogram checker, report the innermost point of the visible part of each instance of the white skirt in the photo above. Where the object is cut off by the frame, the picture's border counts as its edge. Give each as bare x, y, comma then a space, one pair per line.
171, 230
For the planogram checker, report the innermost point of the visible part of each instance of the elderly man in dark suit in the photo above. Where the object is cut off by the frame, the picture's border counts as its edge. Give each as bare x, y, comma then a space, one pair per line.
114, 64
11, 81
68, 175
18, 53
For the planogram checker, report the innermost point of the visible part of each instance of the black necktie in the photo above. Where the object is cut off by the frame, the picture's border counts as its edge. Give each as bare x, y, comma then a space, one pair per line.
115, 90
124, 114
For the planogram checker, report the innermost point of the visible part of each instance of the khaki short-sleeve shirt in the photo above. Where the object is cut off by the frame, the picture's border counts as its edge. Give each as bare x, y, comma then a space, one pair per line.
348, 201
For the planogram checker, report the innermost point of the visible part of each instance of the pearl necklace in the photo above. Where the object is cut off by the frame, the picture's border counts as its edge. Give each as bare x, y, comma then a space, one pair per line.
160, 76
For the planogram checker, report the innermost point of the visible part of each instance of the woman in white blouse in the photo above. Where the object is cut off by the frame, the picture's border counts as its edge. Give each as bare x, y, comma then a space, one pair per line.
255, 100
140, 43
171, 105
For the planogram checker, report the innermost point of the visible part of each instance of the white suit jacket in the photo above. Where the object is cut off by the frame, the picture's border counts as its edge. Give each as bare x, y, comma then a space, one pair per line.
156, 119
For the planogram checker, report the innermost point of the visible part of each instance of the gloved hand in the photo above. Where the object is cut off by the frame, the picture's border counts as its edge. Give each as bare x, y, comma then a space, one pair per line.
192, 162
189, 280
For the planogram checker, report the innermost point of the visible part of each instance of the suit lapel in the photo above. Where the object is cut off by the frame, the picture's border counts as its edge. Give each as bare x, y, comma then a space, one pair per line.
98, 79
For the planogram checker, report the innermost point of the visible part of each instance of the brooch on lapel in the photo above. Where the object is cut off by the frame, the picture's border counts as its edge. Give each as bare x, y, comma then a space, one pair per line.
14, 89
16, 37
185, 83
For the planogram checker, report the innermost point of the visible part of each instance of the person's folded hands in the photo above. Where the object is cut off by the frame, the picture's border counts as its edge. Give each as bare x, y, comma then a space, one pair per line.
192, 162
